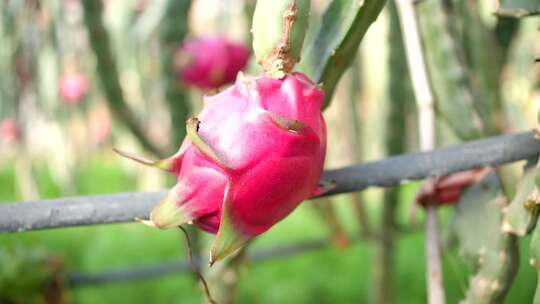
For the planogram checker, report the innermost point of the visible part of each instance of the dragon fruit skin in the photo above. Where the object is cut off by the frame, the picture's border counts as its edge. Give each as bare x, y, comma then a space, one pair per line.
210, 62
253, 154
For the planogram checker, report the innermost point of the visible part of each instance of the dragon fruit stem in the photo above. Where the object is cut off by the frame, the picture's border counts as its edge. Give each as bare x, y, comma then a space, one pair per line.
279, 28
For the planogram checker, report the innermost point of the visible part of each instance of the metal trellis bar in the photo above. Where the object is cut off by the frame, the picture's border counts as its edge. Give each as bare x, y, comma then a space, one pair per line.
126, 207
179, 267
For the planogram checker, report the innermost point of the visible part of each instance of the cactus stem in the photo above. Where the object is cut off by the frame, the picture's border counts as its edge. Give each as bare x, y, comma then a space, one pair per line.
280, 61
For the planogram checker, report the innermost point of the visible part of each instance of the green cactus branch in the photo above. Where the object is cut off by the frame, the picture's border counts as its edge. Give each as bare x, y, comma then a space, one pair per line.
505, 32
172, 31
535, 260
279, 28
469, 74
108, 74
342, 28
465, 84
522, 213
399, 94
485, 68
465, 80
491, 253
450, 79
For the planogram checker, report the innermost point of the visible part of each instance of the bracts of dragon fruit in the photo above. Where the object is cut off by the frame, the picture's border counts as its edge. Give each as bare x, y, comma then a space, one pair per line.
254, 152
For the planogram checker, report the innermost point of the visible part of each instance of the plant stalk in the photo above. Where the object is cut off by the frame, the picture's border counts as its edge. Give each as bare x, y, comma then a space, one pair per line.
399, 95
356, 149
426, 123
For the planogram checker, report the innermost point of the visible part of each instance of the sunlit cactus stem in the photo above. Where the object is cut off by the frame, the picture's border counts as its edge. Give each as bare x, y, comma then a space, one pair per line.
279, 28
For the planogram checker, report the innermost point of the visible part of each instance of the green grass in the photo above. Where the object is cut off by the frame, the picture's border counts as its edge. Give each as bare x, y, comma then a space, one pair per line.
326, 276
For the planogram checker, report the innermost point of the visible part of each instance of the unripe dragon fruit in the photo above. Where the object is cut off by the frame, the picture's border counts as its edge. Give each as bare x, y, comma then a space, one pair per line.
210, 62
73, 87
447, 190
253, 154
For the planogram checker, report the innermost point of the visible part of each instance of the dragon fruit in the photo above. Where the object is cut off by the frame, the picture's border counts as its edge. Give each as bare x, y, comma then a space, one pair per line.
257, 149
253, 154
73, 87
210, 62
9, 131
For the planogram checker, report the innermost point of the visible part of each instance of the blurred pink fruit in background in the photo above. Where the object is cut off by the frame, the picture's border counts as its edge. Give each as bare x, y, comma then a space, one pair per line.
210, 62
9, 131
73, 87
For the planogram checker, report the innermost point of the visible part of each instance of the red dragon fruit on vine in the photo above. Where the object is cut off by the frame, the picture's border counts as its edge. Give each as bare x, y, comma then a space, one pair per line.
210, 62
255, 151
73, 87
250, 157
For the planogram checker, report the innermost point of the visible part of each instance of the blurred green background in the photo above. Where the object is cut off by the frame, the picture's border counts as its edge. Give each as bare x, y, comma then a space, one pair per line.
328, 275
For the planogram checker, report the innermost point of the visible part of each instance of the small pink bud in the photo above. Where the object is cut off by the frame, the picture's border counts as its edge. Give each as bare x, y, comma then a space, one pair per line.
210, 62
253, 154
73, 87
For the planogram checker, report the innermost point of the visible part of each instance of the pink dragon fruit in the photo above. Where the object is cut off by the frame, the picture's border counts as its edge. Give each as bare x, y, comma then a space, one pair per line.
73, 87
210, 62
9, 131
253, 154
